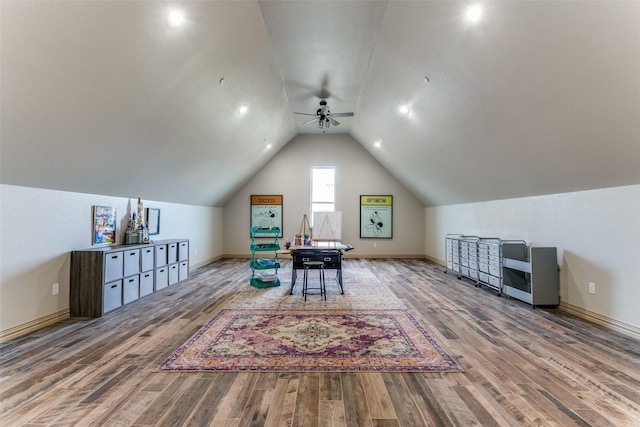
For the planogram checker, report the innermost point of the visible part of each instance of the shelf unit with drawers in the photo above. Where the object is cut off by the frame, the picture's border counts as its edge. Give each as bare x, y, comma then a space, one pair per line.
489, 262
504, 266
105, 278
480, 258
469, 257
452, 253
259, 260
534, 280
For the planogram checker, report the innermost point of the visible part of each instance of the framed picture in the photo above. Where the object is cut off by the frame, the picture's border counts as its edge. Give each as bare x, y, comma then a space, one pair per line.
376, 217
266, 211
104, 225
153, 221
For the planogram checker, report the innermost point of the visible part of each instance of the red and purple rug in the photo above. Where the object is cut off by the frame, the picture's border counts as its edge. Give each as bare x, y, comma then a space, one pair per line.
312, 341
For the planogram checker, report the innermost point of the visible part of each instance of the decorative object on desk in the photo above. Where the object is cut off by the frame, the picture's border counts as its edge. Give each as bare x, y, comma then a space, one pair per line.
376, 217
139, 215
312, 341
327, 226
137, 232
104, 225
266, 212
153, 221
303, 238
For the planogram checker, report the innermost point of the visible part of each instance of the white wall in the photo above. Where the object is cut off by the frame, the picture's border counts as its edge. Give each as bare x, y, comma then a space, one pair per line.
597, 234
39, 228
357, 173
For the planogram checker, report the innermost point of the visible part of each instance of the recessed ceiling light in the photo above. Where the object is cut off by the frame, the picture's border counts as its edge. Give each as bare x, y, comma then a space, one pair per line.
175, 18
243, 109
378, 143
404, 109
474, 13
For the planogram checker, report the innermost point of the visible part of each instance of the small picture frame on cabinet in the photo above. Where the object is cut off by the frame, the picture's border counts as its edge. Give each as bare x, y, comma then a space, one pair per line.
153, 221
104, 225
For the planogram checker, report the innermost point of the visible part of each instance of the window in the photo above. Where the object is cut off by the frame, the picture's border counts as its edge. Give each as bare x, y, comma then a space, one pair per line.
323, 194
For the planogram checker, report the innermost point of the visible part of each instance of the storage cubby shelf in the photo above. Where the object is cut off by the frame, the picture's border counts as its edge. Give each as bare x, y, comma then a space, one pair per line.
264, 263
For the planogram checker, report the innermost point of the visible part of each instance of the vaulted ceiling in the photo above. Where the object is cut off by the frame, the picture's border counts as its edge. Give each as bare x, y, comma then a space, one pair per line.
105, 97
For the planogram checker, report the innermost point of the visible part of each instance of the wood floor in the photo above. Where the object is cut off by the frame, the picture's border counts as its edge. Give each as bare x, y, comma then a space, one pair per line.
523, 366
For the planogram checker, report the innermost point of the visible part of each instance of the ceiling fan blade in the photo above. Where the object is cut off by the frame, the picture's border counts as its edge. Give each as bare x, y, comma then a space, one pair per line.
305, 114
334, 121
311, 121
342, 114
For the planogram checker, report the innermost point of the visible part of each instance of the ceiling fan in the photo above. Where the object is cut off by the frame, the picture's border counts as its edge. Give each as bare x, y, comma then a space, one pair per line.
324, 117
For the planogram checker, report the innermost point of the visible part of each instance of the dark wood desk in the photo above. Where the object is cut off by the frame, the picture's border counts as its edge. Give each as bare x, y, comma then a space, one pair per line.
331, 257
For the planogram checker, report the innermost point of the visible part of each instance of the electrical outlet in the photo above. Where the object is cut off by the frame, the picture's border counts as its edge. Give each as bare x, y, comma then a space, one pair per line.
375, 245
55, 288
592, 288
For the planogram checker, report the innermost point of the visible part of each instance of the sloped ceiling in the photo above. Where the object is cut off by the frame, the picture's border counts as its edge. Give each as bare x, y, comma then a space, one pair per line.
106, 98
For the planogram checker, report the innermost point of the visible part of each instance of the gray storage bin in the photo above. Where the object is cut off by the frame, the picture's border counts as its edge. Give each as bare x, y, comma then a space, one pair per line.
183, 273
131, 262
146, 283
113, 266
173, 274
162, 278
146, 259
183, 251
112, 295
172, 253
161, 255
131, 290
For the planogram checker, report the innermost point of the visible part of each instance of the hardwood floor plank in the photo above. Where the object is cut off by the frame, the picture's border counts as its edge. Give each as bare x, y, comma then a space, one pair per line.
257, 408
405, 408
205, 412
164, 401
277, 406
186, 402
331, 413
456, 409
356, 411
307, 401
330, 386
237, 397
479, 407
377, 396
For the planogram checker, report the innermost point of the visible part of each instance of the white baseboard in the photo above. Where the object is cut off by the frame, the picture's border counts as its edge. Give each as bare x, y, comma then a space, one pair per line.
32, 326
203, 263
599, 319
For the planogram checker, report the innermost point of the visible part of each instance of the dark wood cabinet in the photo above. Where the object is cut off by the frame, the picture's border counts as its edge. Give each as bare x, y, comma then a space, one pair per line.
105, 278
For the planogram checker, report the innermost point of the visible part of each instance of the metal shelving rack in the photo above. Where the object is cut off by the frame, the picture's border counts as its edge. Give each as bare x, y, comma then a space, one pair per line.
263, 264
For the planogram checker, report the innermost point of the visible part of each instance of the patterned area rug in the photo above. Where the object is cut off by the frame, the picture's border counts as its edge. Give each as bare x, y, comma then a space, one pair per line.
362, 290
307, 340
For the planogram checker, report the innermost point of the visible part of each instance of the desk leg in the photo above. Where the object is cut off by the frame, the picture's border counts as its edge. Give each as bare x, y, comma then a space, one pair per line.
340, 280
293, 281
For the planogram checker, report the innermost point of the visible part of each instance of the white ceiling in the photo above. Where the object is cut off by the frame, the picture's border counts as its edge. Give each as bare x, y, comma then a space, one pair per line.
106, 98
